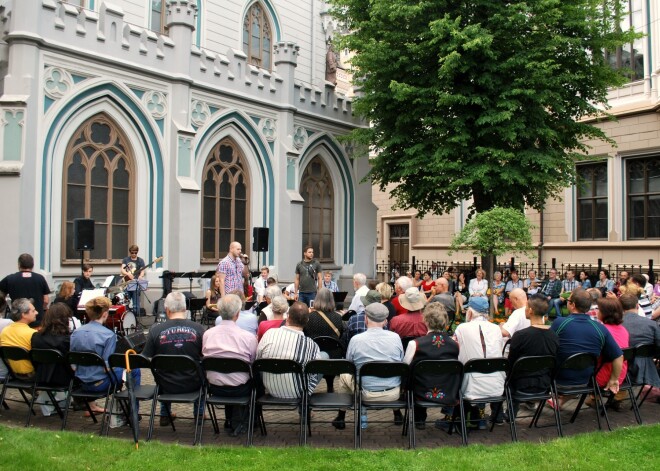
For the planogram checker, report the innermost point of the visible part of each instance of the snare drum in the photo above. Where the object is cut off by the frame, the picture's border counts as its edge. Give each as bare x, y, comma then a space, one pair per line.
120, 299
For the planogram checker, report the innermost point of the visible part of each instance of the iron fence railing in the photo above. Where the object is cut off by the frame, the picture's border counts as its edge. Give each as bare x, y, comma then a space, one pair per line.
387, 269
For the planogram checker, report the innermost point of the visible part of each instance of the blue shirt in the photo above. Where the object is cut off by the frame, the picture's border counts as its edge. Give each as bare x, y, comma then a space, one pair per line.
247, 321
93, 337
578, 333
376, 345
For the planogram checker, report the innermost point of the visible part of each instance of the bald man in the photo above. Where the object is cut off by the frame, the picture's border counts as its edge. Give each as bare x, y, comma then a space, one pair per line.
230, 270
517, 320
442, 296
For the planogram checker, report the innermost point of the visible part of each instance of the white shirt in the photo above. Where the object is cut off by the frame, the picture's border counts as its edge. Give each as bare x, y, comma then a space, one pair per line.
478, 287
517, 321
356, 302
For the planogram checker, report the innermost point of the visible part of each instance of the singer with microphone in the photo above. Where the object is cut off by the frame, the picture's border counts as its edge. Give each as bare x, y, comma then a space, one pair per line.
231, 269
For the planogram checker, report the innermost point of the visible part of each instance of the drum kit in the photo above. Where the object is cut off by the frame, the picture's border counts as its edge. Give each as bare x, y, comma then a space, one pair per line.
121, 317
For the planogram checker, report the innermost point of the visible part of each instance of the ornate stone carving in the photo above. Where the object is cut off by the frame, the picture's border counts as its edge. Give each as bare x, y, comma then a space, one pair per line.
57, 82
199, 113
268, 128
156, 103
299, 137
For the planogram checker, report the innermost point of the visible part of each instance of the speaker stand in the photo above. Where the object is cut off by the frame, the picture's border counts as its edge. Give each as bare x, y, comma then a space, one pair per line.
82, 262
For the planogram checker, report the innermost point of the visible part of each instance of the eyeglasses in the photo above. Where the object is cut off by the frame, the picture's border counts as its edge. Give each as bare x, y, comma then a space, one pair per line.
133, 253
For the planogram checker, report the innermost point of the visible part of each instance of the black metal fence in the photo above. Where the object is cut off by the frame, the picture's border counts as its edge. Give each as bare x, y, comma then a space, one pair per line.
387, 269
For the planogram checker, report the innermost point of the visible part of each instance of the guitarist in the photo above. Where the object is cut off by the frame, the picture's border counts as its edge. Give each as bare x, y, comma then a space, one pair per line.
131, 266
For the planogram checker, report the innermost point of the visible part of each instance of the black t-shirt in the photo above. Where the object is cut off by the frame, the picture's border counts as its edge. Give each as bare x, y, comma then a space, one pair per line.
82, 283
309, 273
133, 265
26, 284
533, 341
176, 337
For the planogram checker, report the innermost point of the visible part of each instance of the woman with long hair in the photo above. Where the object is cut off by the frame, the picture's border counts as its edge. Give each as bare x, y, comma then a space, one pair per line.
212, 298
54, 334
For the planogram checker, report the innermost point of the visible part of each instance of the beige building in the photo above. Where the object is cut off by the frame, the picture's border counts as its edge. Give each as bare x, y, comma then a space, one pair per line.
614, 215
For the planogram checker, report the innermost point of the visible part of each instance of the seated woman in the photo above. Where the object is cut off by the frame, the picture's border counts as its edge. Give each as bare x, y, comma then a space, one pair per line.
610, 313
435, 345
478, 286
417, 279
95, 337
279, 308
54, 334
427, 284
585, 282
212, 298
324, 321
66, 295
462, 292
385, 291
497, 292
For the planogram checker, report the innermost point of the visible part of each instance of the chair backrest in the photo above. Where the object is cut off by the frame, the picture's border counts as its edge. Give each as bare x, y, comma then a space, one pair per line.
15, 353
579, 361
486, 365
277, 366
47, 356
347, 315
405, 341
330, 367
646, 350
118, 360
175, 363
385, 369
85, 359
437, 367
329, 344
628, 353
532, 364
226, 365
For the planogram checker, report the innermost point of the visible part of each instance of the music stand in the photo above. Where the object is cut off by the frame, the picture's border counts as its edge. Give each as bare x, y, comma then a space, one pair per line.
137, 287
339, 297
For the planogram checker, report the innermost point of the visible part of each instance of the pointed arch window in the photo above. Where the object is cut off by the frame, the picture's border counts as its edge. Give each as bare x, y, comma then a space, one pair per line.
226, 202
257, 37
318, 209
98, 183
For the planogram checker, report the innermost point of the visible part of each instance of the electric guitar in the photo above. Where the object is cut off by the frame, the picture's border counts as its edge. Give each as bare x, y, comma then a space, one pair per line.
136, 272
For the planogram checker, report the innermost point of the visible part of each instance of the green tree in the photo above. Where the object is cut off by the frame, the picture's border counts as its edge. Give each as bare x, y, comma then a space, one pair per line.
479, 99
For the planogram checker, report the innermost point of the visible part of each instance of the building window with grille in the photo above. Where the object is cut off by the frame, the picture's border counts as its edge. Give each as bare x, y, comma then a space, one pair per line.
257, 37
225, 204
318, 209
592, 201
643, 195
630, 57
98, 182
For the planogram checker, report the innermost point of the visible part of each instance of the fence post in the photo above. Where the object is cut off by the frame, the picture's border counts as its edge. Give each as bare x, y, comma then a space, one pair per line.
554, 263
474, 262
414, 265
651, 275
513, 264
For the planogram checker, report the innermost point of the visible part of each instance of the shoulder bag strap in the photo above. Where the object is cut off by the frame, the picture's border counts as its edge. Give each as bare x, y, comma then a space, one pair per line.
325, 318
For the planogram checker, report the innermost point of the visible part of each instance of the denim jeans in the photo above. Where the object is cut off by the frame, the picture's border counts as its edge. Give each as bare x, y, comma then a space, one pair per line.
556, 305
306, 297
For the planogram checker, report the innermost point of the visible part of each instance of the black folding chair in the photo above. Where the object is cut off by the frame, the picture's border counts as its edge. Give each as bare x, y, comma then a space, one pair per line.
488, 366
405, 341
228, 366
330, 345
13, 380
332, 400
275, 366
648, 350
583, 361
143, 392
161, 365
50, 358
76, 390
386, 369
626, 385
427, 368
545, 365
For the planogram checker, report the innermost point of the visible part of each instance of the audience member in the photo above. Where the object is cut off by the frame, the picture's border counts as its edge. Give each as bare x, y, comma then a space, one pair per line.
267, 312
385, 291
551, 289
497, 292
360, 286
279, 307
514, 283
478, 286
567, 286
289, 343
411, 323
400, 286
642, 331
518, 320
324, 321
227, 340
443, 297
176, 336
375, 344
357, 323
532, 284
435, 345
19, 334
604, 283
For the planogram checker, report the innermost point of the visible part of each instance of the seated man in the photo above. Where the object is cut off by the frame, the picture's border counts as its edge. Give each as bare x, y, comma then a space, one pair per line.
551, 288
532, 284
411, 323
578, 333
289, 343
535, 340
478, 338
518, 319
642, 331
357, 323
568, 285
227, 340
375, 344
176, 336
444, 297
19, 334
95, 337
400, 287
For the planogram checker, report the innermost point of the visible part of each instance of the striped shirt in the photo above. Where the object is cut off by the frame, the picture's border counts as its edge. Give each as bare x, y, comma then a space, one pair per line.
567, 286
288, 344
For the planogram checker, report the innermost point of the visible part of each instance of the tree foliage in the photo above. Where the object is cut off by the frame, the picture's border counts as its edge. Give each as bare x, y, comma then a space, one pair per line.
479, 99
497, 231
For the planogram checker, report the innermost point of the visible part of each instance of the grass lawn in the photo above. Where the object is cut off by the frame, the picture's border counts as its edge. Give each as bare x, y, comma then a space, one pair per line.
34, 449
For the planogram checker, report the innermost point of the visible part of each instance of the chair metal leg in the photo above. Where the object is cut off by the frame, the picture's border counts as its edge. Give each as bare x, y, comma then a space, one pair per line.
31, 406
461, 413
412, 429
602, 404
648, 391
635, 408
152, 416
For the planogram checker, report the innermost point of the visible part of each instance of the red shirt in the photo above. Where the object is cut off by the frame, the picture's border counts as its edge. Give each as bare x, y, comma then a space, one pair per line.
397, 305
266, 325
410, 324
